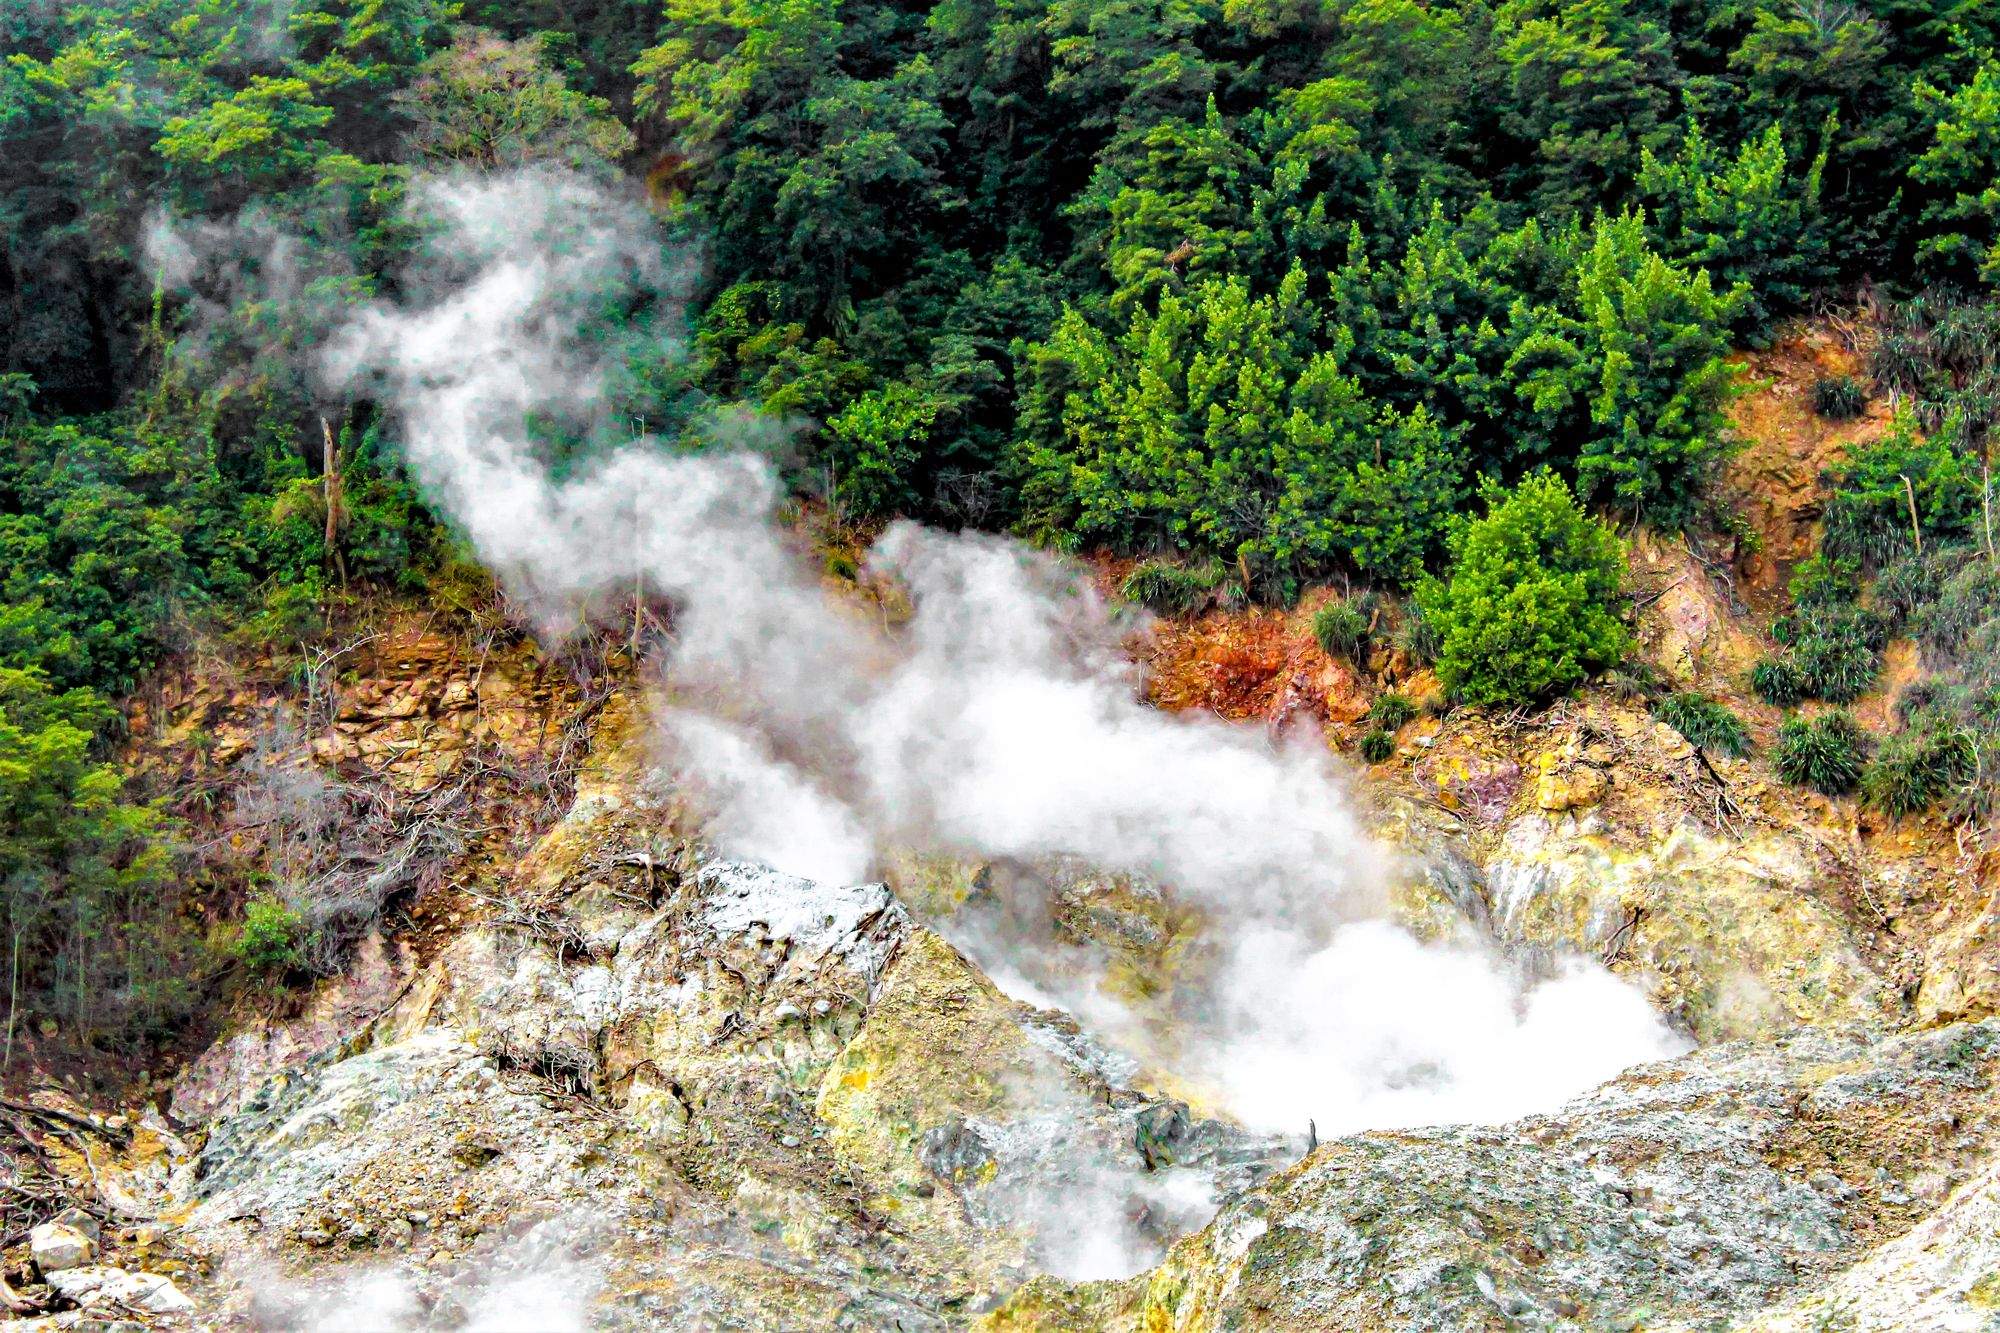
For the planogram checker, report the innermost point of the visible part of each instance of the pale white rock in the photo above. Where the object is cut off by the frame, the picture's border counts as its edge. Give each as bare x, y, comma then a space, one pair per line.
56, 1247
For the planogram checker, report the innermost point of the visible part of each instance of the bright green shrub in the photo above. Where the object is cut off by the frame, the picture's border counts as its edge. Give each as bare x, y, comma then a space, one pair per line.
1526, 612
1705, 722
1868, 513
1819, 581
874, 446
1825, 753
84, 873
271, 935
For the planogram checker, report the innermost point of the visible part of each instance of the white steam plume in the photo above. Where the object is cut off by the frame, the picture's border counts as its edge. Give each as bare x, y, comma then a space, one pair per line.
1000, 721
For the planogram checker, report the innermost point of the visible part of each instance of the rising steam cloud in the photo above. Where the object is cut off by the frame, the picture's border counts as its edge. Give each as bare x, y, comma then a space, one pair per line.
999, 721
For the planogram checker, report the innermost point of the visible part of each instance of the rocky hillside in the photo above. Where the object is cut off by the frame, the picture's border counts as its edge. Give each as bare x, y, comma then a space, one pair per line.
594, 1074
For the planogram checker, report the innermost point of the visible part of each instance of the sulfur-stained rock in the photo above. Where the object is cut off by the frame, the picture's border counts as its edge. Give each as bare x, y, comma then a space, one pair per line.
229, 1072
1962, 970
1570, 787
1677, 1197
1941, 1276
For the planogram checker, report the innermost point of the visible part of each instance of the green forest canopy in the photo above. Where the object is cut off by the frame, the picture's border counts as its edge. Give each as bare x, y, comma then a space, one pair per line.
1282, 286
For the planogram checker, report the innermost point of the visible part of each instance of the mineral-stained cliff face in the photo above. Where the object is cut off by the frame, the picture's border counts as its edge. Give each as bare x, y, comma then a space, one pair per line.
704, 1095
614, 1080
753, 1101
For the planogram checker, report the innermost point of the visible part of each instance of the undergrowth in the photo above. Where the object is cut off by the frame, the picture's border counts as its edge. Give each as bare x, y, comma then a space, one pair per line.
1705, 722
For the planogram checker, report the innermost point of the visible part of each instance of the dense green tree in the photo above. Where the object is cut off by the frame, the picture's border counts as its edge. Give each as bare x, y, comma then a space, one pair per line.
1641, 343
1961, 166
1591, 86
488, 102
1749, 219
81, 925
1526, 611
1215, 423
1261, 289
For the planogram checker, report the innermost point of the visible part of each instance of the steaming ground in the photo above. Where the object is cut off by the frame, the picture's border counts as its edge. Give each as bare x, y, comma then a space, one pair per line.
541, 1282
997, 719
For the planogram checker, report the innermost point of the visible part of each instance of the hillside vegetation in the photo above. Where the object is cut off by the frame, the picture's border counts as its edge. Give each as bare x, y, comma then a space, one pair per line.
1428, 301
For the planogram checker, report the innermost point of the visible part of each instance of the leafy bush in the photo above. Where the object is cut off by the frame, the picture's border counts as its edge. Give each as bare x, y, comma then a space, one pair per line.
1839, 397
875, 444
1527, 611
1825, 753
1819, 581
1377, 746
272, 931
1705, 722
1919, 767
1168, 589
1342, 630
1392, 711
94, 939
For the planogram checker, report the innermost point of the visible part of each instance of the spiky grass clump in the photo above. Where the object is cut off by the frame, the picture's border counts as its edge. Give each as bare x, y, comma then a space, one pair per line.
1377, 746
1417, 638
1839, 397
1839, 668
1779, 680
1836, 649
1342, 631
1172, 590
1826, 753
1909, 585
1391, 711
1705, 723
1636, 679
1965, 601
1900, 363
1919, 767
